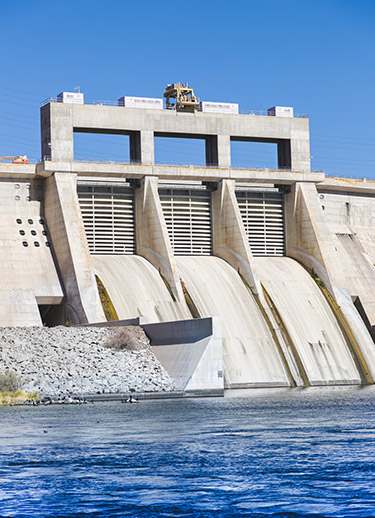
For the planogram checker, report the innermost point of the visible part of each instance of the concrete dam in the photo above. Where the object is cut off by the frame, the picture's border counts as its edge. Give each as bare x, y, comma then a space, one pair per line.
284, 258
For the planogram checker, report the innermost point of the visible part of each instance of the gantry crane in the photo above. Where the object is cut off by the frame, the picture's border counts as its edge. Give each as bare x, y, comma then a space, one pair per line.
183, 95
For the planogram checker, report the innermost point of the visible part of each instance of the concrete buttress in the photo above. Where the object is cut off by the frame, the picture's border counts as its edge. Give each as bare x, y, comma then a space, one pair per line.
310, 241
229, 238
64, 220
152, 240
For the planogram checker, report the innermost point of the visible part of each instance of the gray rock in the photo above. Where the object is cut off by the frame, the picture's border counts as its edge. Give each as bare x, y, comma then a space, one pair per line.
63, 360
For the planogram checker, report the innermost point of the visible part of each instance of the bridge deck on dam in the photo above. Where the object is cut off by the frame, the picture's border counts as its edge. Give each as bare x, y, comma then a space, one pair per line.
309, 320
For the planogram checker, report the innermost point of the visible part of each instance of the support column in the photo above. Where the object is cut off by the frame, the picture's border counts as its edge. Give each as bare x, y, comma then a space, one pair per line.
56, 120
218, 151
300, 145
229, 237
152, 240
284, 159
142, 147
147, 148
223, 151
135, 147
65, 225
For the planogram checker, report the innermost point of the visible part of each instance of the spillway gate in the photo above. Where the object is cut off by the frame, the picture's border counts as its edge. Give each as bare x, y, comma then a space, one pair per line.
108, 218
263, 217
187, 213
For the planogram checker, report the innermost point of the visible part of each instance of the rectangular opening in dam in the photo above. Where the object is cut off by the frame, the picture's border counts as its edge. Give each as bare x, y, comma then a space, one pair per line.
108, 218
101, 147
180, 151
263, 217
187, 213
254, 155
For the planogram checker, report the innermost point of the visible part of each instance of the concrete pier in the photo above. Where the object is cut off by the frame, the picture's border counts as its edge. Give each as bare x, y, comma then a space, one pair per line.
59, 121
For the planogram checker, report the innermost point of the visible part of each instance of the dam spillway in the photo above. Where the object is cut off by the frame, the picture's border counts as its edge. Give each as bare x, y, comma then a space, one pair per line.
250, 354
313, 329
137, 289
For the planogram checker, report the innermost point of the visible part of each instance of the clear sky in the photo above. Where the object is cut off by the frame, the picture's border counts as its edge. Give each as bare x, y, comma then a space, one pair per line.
316, 55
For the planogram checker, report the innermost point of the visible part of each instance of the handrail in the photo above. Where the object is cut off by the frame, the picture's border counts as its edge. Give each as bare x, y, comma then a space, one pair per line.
115, 103
193, 166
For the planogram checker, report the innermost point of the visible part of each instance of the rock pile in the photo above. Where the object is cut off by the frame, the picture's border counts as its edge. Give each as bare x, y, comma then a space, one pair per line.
63, 361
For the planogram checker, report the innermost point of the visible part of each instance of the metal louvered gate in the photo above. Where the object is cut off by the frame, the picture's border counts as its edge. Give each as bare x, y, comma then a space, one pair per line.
187, 213
263, 217
108, 217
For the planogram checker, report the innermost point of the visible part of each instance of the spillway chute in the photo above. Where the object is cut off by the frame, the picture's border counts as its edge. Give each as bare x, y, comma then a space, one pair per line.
137, 289
250, 354
317, 338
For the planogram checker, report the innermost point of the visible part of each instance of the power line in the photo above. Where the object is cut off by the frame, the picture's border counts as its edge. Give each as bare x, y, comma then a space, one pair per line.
343, 137
22, 92
18, 115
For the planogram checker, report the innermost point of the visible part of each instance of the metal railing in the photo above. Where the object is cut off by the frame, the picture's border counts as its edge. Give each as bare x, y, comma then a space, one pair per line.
265, 113
91, 101
115, 103
191, 166
347, 177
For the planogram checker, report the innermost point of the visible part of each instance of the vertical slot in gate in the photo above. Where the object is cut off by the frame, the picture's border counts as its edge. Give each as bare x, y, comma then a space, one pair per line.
108, 217
187, 213
263, 217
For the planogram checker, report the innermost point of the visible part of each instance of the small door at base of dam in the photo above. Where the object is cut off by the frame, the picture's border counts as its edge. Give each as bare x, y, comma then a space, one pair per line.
108, 218
263, 217
187, 213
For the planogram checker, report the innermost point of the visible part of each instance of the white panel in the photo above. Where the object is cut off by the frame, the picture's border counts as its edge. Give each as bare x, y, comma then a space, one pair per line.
263, 217
141, 102
280, 111
212, 107
187, 213
70, 97
108, 217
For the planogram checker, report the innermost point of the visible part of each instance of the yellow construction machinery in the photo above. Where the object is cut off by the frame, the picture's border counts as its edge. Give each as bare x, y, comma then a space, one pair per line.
180, 97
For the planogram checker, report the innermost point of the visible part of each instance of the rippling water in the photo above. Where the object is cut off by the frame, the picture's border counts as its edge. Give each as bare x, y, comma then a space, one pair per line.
291, 453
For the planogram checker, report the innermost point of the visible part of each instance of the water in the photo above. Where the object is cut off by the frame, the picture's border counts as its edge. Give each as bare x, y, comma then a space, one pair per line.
286, 453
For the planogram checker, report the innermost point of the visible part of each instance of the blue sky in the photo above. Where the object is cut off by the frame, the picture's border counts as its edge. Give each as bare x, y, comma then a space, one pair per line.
317, 56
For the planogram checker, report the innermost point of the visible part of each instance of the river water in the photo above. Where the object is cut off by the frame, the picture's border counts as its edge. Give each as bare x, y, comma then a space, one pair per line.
260, 453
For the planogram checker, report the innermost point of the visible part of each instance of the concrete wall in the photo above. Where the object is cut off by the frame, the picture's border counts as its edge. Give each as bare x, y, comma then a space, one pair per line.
191, 352
350, 218
312, 240
67, 233
58, 121
28, 274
